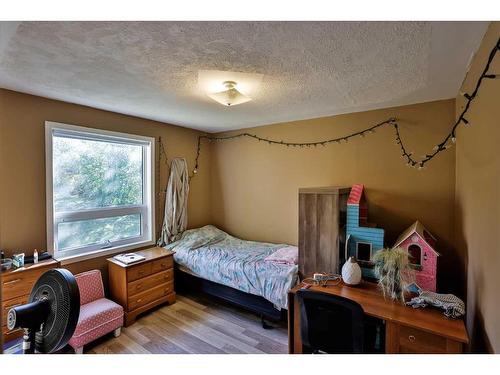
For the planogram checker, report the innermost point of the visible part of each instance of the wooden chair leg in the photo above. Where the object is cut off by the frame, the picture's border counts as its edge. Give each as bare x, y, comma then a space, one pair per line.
117, 332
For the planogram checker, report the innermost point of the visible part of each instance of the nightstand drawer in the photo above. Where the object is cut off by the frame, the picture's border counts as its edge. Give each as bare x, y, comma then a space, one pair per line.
163, 264
151, 295
9, 304
415, 341
149, 282
139, 271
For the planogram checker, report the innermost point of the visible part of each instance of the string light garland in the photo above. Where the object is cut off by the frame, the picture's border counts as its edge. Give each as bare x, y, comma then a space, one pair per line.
461, 119
270, 141
162, 155
408, 156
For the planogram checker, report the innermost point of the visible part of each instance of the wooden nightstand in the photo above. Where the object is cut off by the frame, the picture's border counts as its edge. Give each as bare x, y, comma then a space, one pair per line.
143, 285
16, 289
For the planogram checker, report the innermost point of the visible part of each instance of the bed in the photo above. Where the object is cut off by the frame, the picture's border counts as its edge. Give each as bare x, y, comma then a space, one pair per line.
233, 269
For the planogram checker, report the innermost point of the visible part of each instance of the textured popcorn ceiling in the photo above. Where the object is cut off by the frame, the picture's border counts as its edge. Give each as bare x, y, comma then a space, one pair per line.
309, 69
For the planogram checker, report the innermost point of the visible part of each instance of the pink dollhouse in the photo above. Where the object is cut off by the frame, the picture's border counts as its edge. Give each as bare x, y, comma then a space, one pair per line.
420, 245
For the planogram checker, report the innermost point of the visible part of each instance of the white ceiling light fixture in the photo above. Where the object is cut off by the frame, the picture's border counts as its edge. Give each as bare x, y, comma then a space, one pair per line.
229, 88
230, 96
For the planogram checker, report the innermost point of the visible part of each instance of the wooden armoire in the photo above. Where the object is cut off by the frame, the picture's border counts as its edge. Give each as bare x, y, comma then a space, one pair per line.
322, 220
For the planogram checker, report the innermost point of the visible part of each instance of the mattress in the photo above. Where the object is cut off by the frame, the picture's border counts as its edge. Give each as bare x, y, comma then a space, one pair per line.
214, 255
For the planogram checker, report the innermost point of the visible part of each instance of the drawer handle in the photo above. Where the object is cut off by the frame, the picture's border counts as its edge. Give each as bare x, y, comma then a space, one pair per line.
141, 272
138, 286
139, 300
411, 338
12, 281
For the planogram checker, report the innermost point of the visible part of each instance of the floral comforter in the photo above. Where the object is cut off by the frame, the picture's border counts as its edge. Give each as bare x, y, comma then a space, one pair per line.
217, 256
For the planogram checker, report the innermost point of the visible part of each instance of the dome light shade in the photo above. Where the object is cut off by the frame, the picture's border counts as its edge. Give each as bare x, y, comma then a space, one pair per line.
231, 96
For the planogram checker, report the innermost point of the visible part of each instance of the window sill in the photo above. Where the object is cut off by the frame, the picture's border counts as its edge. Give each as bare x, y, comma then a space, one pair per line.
102, 252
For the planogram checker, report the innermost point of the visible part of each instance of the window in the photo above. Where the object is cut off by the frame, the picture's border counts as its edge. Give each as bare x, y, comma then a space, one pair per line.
364, 251
100, 190
414, 252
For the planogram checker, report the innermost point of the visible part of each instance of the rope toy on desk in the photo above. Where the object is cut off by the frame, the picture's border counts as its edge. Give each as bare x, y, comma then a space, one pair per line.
323, 279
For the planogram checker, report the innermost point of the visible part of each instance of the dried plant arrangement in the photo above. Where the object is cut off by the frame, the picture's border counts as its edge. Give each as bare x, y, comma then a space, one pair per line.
393, 270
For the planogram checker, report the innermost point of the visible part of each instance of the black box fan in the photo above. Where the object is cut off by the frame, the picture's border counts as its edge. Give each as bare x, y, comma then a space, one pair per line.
50, 318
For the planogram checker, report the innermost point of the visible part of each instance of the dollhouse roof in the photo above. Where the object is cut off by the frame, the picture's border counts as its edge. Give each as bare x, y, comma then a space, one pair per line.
356, 194
418, 228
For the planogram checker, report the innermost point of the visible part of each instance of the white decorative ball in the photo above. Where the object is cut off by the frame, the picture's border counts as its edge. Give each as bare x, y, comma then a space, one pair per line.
351, 272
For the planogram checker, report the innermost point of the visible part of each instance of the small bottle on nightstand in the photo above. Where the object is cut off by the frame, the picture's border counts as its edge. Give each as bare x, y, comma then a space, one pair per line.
35, 257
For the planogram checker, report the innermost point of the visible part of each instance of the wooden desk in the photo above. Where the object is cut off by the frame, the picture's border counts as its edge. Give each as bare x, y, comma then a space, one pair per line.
408, 330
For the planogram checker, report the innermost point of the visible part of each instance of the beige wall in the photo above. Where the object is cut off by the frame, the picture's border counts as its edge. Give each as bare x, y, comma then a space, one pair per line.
255, 185
22, 165
478, 199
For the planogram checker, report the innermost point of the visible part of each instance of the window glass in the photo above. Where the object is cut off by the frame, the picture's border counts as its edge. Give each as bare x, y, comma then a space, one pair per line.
94, 231
92, 174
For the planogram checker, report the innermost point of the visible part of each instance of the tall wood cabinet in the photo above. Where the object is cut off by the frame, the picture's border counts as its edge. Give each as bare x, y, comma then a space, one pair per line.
322, 219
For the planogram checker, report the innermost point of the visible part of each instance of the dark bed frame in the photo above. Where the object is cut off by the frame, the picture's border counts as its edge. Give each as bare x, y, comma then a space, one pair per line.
256, 304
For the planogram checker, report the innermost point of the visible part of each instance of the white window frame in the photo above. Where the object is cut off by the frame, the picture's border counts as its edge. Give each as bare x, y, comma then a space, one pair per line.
146, 209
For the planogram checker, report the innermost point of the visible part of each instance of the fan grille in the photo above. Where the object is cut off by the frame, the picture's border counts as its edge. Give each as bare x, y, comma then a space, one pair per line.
59, 287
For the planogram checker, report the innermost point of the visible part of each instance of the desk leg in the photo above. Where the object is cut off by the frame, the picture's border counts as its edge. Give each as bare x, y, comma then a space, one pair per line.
454, 347
391, 338
291, 331
294, 339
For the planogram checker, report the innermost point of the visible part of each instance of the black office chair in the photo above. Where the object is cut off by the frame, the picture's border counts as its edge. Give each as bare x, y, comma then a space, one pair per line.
333, 324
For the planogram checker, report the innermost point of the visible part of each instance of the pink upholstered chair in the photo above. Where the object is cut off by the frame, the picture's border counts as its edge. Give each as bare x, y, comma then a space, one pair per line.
98, 315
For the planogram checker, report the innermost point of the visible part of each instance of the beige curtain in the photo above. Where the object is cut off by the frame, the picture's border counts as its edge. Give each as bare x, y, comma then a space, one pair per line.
176, 198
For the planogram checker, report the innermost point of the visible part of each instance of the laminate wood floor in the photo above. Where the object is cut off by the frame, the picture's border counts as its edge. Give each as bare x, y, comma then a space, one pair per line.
196, 324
